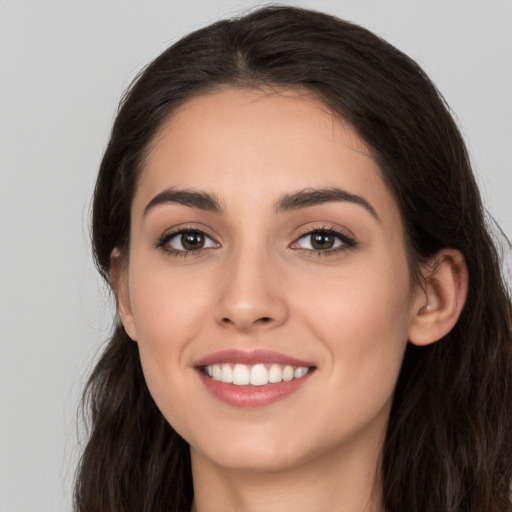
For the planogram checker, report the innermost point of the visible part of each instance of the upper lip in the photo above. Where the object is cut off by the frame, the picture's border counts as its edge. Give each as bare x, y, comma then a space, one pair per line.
250, 357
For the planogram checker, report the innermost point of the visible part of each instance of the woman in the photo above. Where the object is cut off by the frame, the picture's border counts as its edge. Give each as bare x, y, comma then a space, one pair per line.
311, 311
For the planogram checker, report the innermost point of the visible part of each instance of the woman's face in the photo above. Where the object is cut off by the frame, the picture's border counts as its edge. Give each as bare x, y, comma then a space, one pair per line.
266, 247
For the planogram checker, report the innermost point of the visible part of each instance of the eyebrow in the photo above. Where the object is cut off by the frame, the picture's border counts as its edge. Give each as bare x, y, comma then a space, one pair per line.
190, 198
312, 197
301, 199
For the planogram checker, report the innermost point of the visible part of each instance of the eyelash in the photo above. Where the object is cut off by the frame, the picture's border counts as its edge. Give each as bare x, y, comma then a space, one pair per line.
347, 242
167, 237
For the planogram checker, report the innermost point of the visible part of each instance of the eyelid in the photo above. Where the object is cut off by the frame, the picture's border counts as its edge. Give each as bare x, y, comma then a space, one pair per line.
169, 234
348, 240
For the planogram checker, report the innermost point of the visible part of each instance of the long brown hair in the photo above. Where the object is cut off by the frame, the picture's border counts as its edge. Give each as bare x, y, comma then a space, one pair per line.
449, 442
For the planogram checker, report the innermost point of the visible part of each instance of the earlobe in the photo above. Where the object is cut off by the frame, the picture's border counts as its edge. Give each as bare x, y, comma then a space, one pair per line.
440, 301
119, 280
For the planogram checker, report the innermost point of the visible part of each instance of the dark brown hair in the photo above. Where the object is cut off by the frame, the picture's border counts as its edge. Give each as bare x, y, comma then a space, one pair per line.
449, 442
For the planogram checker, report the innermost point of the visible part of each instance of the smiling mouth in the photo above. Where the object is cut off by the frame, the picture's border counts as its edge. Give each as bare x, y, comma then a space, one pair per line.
255, 375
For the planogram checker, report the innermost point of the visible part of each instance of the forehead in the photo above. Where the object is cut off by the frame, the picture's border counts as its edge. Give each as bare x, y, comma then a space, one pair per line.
247, 147
265, 120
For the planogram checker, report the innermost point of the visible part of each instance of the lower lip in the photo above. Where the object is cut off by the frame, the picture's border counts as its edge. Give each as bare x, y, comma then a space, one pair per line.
252, 396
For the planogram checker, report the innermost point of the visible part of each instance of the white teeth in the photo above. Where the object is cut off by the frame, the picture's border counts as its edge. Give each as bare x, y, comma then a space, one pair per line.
300, 372
275, 374
240, 374
217, 372
255, 375
288, 373
226, 374
259, 375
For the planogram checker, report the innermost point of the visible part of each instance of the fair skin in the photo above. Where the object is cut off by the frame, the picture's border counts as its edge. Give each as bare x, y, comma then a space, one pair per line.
320, 278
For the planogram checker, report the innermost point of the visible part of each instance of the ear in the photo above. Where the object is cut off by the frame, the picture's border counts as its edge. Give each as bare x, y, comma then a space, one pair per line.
440, 299
119, 279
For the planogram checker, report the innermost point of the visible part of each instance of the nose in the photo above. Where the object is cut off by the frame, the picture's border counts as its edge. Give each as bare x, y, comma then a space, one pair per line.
252, 294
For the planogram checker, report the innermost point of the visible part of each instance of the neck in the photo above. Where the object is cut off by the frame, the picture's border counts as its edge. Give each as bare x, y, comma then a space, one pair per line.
339, 481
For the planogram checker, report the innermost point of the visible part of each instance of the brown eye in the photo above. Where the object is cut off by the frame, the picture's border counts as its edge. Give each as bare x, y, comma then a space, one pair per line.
188, 241
192, 241
322, 241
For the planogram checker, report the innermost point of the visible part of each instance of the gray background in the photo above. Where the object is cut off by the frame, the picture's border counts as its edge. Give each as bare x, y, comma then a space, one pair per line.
63, 66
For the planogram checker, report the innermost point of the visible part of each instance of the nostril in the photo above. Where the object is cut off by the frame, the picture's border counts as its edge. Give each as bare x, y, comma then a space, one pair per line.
263, 320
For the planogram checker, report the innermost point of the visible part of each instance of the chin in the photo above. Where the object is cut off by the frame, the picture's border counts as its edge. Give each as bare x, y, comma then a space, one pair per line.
257, 459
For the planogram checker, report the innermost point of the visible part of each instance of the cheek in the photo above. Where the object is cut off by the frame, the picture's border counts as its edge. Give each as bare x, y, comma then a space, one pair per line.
166, 304
362, 318
366, 298
168, 310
